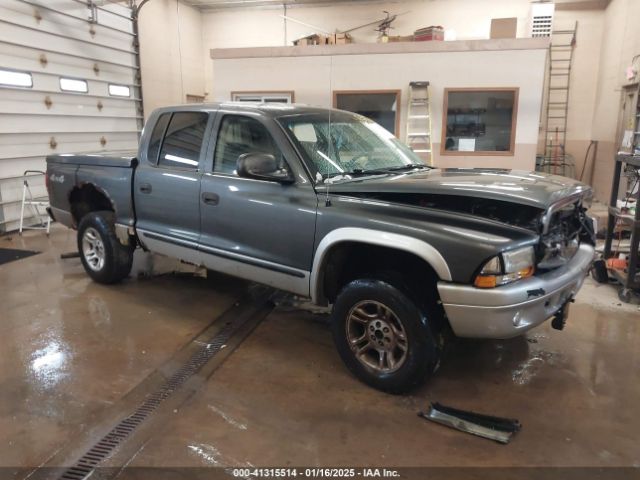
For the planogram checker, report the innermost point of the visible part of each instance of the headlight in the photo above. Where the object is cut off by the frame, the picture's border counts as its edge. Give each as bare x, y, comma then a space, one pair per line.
506, 268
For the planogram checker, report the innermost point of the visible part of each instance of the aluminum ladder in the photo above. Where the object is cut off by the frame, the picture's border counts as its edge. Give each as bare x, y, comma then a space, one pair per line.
28, 200
561, 49
418, 132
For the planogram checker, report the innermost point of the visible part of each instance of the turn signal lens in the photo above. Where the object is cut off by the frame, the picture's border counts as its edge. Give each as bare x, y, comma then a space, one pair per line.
486, 281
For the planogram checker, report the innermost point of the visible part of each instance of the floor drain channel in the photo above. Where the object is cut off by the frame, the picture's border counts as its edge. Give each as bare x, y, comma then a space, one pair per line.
105, 446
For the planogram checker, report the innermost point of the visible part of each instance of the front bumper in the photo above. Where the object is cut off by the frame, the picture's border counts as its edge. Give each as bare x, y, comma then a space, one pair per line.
511, 310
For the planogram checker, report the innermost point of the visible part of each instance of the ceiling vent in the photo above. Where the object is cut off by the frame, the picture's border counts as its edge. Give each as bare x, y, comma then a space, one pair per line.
541, 19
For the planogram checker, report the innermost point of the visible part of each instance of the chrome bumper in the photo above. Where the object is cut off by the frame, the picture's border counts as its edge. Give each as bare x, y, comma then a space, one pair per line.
511, 310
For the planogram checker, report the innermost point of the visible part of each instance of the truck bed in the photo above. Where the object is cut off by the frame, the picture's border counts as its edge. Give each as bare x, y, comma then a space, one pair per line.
73, 175
123, 158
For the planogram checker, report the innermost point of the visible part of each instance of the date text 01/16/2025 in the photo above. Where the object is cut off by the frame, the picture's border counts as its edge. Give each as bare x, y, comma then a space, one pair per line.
314, 472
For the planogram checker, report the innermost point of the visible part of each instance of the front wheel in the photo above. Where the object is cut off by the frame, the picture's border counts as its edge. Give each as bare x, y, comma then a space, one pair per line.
383, 336
104, 258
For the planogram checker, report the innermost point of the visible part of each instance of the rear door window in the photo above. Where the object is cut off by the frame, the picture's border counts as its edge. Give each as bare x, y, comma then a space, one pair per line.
183, 141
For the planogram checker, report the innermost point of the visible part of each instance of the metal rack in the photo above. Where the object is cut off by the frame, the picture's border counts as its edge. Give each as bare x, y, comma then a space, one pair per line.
630, 277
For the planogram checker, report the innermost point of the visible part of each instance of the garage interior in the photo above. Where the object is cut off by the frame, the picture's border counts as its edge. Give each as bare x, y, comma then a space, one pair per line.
180, 372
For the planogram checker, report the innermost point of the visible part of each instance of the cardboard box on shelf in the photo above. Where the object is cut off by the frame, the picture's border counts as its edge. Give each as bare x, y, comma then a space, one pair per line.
504, 27
318, 39
339, 39
429, 33
315, 39
400, 38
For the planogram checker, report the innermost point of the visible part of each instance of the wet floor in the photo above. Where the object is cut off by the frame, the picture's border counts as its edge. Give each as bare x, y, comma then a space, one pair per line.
72, 349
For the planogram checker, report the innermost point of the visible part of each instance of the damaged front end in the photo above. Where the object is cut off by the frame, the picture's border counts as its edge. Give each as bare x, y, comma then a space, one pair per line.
524, 216
564, 226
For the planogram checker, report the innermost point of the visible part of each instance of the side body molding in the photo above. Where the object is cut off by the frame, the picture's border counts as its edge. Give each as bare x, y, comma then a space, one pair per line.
373, 237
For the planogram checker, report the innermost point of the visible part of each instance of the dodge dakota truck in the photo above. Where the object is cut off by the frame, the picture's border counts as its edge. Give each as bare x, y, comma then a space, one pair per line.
328, 205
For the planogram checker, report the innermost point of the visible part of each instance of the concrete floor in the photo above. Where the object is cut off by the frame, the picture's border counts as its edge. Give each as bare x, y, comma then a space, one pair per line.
73, 351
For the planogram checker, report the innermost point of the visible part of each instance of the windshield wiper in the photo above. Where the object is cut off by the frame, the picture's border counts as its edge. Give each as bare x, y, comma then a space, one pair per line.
400, 168
358, 172
347, 175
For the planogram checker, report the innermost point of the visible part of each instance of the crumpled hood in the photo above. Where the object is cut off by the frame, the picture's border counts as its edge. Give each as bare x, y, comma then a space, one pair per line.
535, 189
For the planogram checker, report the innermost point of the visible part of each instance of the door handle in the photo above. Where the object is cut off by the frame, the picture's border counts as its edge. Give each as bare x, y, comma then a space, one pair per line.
145, 187
210, 198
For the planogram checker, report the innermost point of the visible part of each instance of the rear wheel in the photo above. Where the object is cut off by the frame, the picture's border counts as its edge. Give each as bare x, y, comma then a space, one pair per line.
383, 336
104, 258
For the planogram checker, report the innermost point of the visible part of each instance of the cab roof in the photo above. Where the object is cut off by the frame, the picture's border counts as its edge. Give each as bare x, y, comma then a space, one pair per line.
270, 109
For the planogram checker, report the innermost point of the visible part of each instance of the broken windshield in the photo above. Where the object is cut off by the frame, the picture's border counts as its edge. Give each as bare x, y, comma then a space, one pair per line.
341, 145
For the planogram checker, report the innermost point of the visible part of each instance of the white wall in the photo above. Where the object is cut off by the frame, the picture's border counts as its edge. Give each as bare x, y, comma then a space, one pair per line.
584, 78
620, 43
313, 78
469, 19
170, 53
254, 27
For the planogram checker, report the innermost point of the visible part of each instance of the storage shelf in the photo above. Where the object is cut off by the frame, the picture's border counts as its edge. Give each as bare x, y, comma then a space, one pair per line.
629, 279
627, 217
629, 159
623, 278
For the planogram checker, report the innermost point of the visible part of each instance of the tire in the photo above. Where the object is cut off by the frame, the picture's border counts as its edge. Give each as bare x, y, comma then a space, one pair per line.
599, 271
625, 295
103, 257
393, 345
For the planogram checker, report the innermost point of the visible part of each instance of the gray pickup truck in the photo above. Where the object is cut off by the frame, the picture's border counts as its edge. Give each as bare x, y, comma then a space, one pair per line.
329, 205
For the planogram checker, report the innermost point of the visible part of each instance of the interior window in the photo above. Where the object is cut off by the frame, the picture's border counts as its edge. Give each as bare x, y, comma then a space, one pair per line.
183, 140
239, 135
381, 107
479, 121
262, 97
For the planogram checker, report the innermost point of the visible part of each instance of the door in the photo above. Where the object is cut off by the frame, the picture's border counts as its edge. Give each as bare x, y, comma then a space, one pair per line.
256, 229
167, 183
68, 83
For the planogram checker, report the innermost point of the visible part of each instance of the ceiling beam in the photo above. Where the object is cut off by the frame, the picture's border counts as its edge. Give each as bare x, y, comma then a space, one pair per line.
224, 4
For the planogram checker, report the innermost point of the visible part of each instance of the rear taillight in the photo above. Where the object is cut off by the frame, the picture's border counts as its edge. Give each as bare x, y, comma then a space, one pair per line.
46, 181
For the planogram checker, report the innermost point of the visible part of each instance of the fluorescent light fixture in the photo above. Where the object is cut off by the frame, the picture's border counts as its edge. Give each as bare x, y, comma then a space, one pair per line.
119, 90
15, 79
73, 85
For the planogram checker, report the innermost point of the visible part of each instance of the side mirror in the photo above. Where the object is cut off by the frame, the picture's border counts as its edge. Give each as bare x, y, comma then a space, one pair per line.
262, 166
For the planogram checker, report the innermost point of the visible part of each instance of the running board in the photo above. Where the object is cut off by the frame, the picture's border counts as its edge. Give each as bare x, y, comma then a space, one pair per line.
494, 428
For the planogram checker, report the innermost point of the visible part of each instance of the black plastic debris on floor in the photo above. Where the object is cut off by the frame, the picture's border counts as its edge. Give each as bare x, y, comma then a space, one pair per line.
10, 254
494, 428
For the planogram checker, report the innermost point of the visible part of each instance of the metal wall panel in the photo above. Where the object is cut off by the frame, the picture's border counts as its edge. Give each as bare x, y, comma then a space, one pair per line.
75, 39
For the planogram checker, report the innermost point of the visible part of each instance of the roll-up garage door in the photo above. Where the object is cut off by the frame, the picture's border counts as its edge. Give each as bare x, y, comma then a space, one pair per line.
69, 82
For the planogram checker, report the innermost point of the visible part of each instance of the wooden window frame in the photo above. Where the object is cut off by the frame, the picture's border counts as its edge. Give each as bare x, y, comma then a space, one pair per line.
514, 122
398, 94
263, 92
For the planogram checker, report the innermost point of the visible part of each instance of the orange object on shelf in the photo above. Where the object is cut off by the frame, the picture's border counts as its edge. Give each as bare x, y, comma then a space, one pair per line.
617, 263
